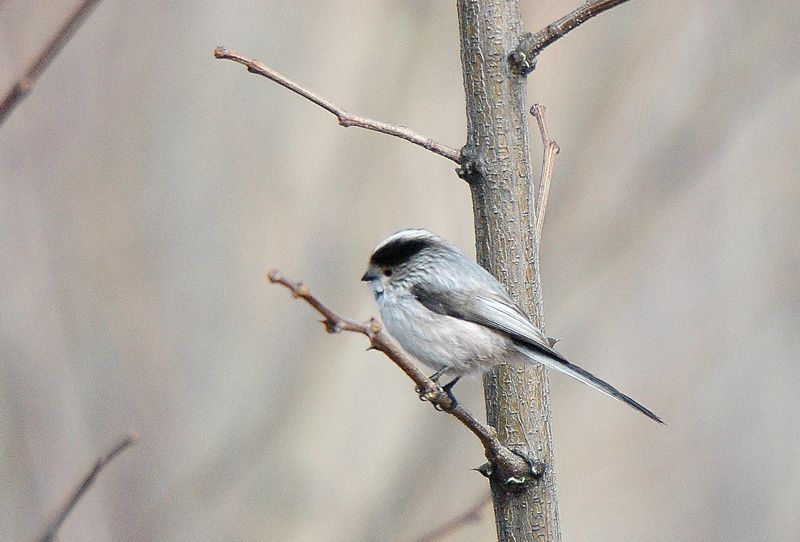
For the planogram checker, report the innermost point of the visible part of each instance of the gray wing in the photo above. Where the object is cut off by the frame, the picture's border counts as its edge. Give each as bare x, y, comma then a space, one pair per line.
491, 309
497, 311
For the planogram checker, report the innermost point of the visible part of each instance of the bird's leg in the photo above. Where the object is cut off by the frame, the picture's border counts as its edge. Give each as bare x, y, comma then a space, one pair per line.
438, 374
448, 389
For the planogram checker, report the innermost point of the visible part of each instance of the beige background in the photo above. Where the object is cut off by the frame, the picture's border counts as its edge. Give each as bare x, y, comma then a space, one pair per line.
146, 188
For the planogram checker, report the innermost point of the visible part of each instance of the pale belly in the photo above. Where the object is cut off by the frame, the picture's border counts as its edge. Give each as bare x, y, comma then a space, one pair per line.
443, 341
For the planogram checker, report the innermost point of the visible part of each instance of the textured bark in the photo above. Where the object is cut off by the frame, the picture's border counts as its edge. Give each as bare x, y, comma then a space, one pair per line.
498, 168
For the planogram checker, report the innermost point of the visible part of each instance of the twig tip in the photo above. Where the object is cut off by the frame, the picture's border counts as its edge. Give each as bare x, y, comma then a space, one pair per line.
537, 110
274, 276
220, 52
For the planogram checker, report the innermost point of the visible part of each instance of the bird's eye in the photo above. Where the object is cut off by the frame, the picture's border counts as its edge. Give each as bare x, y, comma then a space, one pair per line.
387, 272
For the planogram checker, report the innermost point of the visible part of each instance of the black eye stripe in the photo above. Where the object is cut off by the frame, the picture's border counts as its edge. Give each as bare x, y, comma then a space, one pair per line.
398, 252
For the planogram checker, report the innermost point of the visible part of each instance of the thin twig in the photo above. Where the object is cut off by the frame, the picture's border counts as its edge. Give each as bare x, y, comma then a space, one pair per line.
549, 151
85, 484
345, 118
25, 83
473, 515
524, 57
509, 467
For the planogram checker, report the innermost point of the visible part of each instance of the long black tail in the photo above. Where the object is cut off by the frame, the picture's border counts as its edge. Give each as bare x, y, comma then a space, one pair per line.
560, 364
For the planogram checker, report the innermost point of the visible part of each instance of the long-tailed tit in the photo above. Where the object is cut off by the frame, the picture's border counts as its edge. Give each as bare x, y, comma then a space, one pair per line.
454, 316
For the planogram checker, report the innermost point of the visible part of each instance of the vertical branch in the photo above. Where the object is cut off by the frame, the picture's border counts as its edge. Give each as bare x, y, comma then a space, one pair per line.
498, 167
549, 151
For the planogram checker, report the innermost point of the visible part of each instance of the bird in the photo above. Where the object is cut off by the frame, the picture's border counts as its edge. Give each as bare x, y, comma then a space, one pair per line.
455, 317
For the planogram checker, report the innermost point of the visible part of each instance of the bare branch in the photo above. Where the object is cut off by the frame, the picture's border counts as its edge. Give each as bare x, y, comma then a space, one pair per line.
25, 83
524, 57
345, 119
473, 515
510, 467
85, 484
549, 151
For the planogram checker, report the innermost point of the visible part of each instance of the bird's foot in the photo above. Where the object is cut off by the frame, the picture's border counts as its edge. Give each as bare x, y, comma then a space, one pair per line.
441, 397
430, 393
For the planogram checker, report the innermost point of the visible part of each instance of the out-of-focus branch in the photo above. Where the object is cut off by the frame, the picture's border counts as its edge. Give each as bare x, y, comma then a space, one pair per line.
85, 484
473, 515
523, 58
549, 151
506, 465
345, 118
25, 83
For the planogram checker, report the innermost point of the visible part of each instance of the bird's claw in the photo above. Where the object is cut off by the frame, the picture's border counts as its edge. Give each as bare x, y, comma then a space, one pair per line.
427, 393
442, 399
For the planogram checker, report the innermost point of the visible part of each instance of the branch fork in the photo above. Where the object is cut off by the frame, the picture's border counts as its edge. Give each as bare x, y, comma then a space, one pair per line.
523, 58
514, 468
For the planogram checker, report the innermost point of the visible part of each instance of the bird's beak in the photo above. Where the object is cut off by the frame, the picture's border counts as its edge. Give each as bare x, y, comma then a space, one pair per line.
369, 276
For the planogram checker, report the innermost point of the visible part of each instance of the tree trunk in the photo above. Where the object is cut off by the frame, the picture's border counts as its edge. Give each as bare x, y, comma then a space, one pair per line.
500, 175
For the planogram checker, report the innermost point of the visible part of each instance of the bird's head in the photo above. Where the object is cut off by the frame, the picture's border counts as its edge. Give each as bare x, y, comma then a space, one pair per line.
398, 257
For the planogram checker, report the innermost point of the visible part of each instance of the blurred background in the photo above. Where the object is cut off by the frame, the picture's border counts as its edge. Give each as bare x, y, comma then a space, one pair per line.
146, 188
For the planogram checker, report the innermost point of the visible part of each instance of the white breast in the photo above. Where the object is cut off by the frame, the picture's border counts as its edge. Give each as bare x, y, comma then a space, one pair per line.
440, 341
